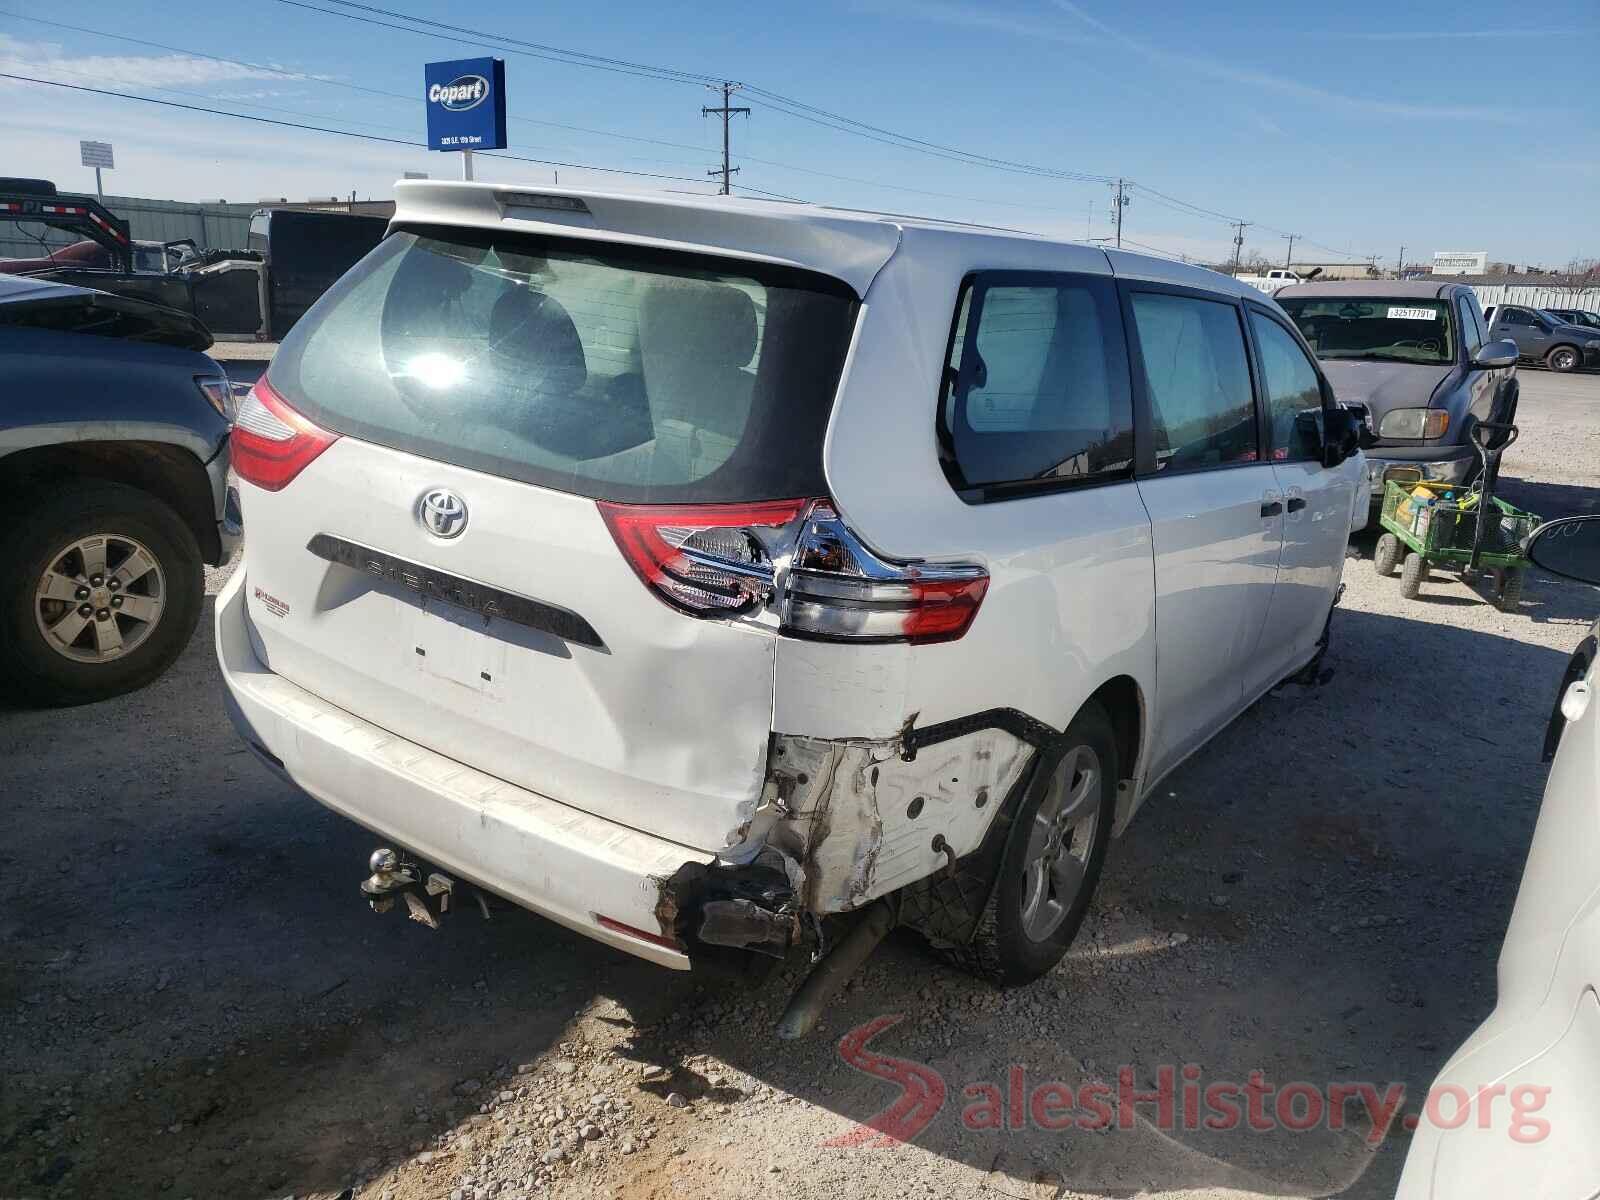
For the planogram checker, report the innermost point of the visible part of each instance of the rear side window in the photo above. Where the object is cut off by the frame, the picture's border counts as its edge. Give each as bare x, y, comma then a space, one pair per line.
1035, 392
1197, 374
589, 367
1294, 392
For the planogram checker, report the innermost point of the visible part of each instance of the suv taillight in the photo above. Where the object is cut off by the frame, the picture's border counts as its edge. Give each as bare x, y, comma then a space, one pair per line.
272, 443
798, 560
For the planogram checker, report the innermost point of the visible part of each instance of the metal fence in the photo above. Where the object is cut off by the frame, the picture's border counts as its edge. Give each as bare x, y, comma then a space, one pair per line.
1538, 297
212, 226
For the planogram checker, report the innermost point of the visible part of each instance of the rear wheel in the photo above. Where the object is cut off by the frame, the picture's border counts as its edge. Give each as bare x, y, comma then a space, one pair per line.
100, 590
1412, 573
1562, 358
1386, 554
1052, 857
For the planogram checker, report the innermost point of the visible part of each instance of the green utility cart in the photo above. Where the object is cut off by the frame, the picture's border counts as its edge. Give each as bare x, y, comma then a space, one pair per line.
1466, 529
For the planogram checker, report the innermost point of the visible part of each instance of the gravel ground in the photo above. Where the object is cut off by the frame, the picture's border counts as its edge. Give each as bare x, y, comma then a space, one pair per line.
196, 1003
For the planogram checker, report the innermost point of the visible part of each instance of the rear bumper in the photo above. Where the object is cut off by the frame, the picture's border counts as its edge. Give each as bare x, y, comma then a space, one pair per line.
560, 862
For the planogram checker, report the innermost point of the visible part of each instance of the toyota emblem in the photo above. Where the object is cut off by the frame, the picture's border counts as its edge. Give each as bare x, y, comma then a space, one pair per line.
443, 513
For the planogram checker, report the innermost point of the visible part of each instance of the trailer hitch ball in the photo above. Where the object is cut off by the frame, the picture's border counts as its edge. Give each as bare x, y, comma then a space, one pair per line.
390, 874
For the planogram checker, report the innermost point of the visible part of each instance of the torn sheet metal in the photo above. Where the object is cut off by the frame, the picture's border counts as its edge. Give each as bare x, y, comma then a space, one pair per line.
854, 820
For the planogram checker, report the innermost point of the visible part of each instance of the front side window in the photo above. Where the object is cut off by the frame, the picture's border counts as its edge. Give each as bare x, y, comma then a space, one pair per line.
1197, 375
1471, 331
1401, 329
1294, 392
1035, 391
1516, 316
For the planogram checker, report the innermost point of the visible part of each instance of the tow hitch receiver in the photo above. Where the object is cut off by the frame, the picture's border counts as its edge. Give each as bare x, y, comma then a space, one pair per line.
395, 875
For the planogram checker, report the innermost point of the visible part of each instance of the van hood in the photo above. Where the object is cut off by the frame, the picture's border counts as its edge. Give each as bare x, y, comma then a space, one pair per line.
1383, 386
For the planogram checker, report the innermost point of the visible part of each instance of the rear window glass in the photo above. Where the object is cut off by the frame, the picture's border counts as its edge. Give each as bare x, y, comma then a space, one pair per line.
591, 367
1402, 329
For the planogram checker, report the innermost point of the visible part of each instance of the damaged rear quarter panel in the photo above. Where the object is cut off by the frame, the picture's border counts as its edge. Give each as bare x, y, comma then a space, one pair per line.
856, 821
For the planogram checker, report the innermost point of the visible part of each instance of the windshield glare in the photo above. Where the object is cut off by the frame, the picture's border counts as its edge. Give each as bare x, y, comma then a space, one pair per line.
1398, 330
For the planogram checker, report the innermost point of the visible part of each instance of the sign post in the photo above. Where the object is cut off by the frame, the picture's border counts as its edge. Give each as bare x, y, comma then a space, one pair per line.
96, 155
466, 101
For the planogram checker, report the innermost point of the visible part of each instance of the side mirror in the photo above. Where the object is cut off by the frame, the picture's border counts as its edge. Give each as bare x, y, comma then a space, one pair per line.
1569, 547
1366, 435
1502, 353
1341, 435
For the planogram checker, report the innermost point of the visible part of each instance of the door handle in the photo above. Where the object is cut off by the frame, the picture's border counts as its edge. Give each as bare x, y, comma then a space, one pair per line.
1271, 508
1296, 503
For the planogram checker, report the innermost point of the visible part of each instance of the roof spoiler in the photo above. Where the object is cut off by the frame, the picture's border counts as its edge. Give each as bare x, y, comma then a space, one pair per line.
25, 200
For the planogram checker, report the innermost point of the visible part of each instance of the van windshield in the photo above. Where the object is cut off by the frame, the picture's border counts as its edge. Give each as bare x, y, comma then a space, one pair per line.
1399, 330
591, 367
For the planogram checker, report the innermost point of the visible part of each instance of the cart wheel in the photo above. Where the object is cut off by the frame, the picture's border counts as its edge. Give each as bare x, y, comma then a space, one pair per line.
1386, 554
1412, 573
1510, 592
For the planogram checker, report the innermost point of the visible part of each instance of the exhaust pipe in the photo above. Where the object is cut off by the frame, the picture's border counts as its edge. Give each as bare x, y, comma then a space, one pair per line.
834, 971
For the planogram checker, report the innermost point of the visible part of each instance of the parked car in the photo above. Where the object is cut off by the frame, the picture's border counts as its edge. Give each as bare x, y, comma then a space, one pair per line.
693, 571
1544, 338
1515, 1110
1418, 357
113, 455
304, 253
1576, 316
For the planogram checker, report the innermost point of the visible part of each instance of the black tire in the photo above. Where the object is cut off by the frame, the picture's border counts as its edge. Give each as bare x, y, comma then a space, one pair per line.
1001, 949
1386, 554
1509, 594
30, 668
1412, 572
1563, 359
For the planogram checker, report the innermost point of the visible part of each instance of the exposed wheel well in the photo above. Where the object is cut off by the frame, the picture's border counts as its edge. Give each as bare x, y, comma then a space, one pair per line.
1124, 704
169, 473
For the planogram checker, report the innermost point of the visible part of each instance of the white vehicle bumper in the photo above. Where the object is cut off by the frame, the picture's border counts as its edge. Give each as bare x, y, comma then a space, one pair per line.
559, 862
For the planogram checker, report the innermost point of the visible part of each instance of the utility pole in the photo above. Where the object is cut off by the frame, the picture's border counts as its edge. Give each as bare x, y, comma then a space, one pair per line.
1288, 258
1400, 263
727, 172
1117, 205
1238, 242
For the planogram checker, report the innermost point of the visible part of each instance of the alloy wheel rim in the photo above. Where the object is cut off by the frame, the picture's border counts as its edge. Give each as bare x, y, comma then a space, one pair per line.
1063, 831
99, 598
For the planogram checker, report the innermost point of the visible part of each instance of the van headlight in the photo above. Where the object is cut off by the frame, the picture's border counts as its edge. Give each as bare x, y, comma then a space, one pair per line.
1414, 423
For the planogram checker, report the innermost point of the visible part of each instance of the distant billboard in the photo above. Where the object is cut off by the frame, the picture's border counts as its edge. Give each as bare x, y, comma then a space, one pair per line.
95, 154
466, 101
1460, 262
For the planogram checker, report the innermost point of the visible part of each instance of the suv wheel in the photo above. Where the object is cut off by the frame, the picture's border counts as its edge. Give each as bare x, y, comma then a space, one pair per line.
1563, 359
100, 590
1052, 857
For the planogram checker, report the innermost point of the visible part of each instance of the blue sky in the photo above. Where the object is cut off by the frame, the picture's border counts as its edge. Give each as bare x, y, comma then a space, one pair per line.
1360, 127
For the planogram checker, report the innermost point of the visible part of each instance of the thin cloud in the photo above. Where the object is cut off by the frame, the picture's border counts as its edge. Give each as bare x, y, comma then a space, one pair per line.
971, 16
138, 70
1435, 35
1227, 73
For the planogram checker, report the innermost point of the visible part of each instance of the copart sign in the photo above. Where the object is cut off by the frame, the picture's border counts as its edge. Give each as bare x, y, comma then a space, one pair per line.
466, 101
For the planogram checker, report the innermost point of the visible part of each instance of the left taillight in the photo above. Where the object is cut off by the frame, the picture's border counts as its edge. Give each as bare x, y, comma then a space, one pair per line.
272, 443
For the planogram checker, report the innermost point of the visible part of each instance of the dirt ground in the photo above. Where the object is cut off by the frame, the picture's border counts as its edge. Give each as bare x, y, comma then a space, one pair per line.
196, 1003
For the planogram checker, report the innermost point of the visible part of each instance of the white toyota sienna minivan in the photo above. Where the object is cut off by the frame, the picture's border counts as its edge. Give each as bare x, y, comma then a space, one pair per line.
696, 571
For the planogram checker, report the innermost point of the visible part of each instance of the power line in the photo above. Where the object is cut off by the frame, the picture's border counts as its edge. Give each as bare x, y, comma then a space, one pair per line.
774, 101
306, 77
370, 137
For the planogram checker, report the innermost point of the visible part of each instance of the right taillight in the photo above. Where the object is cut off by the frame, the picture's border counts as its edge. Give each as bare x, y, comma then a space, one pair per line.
271, 443
794, 560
